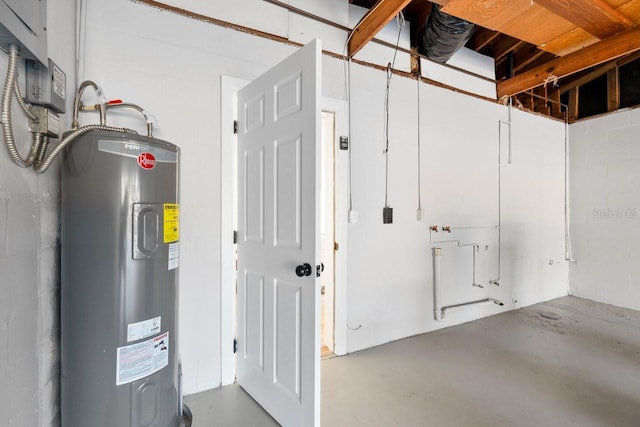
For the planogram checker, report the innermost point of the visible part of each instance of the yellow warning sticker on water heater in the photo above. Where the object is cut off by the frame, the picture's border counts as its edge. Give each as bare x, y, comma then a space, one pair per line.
171, 222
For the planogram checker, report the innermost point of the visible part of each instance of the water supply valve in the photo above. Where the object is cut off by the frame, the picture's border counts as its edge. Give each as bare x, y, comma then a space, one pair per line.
447, 228
434, 228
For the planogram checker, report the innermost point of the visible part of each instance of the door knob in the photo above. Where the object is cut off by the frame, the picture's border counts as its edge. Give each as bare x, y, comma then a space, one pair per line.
303, 270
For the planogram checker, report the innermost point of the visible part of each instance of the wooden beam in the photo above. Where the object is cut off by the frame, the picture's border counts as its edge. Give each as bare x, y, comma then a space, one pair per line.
534, 56
375, 20
594, 16
628, 59
613, 90
596, 54
602, 70
481, 38
507, 45
573, 104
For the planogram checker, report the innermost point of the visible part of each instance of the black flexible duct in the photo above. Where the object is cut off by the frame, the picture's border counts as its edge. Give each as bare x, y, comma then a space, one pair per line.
443, 35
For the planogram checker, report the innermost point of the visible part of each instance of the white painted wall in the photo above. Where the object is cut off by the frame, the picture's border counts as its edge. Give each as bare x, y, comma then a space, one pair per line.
300, 29
390, 266
469, 60
605, 208
29, 269
172, 66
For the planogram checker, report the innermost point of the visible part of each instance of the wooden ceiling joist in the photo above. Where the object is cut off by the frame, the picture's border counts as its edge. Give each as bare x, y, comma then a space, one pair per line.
481, 38
600, 71
508, 45
521, 64
380, 15
606, 50
594, 16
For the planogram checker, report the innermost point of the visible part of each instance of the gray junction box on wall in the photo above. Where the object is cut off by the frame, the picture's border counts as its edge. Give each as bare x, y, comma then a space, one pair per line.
119, 287
46, 85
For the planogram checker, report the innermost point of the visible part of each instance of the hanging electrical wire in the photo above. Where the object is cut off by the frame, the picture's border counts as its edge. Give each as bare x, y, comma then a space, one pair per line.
386, 134
347, 95
387, 212
350, 146
420, 213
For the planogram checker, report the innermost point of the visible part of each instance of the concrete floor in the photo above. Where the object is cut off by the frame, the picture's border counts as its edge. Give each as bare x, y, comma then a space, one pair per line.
567, 362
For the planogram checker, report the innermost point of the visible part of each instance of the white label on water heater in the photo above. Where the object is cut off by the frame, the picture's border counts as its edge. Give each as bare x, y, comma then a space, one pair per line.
174, 255
140, 360
144, 329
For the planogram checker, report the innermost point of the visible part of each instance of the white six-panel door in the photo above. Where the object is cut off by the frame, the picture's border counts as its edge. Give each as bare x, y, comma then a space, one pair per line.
278, 230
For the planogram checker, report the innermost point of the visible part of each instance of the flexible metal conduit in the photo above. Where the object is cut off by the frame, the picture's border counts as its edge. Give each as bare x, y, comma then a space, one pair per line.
43, 163
439, 312
38, 157
42, 166
5, 116
23, 104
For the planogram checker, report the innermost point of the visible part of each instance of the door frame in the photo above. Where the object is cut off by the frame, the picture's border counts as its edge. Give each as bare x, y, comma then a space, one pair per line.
229, 87
341, 208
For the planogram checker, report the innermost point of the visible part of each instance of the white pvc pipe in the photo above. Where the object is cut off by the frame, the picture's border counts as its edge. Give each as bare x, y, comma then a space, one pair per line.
437, 254
439, 313
464, 306
475, 249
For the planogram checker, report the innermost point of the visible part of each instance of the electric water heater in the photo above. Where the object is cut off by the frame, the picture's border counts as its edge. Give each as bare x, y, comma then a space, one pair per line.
119, 269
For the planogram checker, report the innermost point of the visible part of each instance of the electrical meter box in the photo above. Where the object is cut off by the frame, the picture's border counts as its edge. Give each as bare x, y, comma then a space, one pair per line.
46, 85
23, 23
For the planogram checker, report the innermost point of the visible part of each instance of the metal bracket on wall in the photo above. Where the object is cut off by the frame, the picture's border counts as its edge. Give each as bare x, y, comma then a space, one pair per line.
319, 269
344, 142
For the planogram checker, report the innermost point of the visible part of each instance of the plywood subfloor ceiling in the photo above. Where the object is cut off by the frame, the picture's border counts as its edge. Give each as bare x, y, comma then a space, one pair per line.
533, 42
581, 33
560, 27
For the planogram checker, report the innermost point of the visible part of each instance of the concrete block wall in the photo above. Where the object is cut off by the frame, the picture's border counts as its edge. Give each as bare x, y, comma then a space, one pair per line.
29, 295
29, 254
605, 208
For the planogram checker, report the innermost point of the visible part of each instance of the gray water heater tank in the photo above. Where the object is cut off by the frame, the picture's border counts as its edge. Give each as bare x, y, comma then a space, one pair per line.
119, 295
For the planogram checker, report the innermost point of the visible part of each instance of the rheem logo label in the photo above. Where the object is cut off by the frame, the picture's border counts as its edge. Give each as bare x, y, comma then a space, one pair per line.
146, 161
